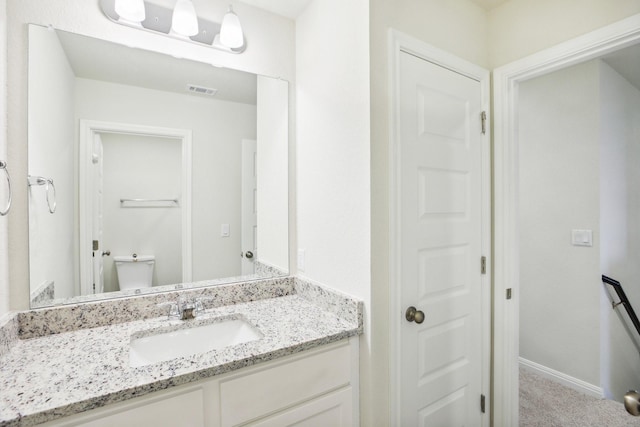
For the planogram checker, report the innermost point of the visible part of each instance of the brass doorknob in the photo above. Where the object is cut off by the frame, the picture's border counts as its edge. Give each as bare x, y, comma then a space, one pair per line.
414, 315
632, 402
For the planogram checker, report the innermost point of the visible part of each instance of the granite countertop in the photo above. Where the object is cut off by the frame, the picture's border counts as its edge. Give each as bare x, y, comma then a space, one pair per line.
53, 376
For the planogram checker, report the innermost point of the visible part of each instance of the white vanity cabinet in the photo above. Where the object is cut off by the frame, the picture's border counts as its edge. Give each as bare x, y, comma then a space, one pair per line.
318, 387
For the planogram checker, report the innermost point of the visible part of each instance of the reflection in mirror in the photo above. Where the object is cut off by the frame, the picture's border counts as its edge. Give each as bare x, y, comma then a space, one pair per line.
167, 172
132, 176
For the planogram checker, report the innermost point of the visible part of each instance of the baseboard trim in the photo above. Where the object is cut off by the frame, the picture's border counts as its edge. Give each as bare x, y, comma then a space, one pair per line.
564, 379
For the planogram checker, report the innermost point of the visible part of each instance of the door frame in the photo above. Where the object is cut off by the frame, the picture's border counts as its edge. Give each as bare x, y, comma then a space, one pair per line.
397, 43
88, 129
505, 162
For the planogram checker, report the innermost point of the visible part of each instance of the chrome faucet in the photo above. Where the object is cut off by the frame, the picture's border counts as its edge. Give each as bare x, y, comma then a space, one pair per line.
185, 309
174, 309
188, 310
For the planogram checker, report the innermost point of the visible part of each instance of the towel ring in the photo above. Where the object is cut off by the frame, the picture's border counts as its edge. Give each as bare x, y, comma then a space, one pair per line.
3, 166
48, 184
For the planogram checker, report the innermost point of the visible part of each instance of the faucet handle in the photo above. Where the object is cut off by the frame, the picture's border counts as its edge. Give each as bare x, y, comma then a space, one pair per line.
199, 306
174, 309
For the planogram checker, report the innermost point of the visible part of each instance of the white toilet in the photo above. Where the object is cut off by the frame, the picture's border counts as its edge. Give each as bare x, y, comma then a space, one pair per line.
134, 271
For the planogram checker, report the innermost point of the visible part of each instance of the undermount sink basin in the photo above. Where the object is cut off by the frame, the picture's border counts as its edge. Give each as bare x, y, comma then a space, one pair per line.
190, 339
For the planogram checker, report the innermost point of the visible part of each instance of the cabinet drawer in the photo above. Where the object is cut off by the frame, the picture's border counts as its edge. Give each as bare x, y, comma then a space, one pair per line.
248, 397
332, 410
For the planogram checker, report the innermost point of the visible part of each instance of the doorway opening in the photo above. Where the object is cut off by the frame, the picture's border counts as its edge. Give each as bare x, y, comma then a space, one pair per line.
141, 176
564, 247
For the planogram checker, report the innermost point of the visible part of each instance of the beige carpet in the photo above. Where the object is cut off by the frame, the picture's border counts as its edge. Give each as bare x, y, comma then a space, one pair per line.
545, 403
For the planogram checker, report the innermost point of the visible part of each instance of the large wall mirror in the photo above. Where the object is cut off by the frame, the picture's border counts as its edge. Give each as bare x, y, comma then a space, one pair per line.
148, 172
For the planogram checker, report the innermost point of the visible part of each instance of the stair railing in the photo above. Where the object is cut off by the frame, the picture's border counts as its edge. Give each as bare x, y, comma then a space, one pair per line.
632, 397
617, 286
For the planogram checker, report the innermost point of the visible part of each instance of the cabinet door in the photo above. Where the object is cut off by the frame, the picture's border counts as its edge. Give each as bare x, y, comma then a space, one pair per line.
184, 410
333, 410
253, 395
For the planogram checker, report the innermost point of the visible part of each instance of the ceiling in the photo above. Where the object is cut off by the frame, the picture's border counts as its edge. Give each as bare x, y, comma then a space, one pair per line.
293, 8
489, 4
96, 59
289, 8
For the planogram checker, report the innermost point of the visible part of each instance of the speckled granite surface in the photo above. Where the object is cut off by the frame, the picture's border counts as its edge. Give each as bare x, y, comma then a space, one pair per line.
156, 289
65, 318
80, 368
330, 300
8, 333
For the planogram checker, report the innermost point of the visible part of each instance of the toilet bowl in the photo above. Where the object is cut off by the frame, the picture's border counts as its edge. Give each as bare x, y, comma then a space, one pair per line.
134, 271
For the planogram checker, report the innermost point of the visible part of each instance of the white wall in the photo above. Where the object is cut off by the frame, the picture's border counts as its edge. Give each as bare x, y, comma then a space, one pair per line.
273, 174
519, 28
218, 129
4, 247
332, 162
333, 144
51, 128
333, 152
270, 51
457, 26
620, 226
142, 167
559, 180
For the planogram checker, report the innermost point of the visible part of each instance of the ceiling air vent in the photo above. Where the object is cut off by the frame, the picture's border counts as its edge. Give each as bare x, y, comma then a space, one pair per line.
201, 90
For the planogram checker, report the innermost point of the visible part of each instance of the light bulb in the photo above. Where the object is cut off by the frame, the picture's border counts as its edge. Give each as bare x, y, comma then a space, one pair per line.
231, 31
184, 20
130, 10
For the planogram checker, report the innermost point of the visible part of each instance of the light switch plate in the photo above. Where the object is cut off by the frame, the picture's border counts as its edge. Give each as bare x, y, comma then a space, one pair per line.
582, 237
224, 230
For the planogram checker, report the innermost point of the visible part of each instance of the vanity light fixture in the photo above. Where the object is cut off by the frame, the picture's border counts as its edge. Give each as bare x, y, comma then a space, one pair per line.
184, 20
180, 22
130, 10
231, 31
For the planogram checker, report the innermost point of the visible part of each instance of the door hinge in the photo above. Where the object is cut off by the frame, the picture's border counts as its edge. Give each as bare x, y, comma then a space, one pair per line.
509, 293
483, 117
483, 265
482, 403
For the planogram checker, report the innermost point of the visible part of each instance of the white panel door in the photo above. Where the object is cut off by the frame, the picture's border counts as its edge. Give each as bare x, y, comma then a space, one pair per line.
249, 205
441, 359
98, 214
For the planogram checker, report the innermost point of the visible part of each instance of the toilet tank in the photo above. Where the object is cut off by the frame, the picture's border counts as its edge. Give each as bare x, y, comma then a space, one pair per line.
134, 271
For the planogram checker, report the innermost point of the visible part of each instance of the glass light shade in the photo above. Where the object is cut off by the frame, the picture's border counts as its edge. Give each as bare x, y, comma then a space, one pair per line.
131, 10
231, 31
184, 20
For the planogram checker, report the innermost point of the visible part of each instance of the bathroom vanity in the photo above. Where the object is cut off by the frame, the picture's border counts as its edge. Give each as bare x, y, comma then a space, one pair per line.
197, 167
57, 370
316, 386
